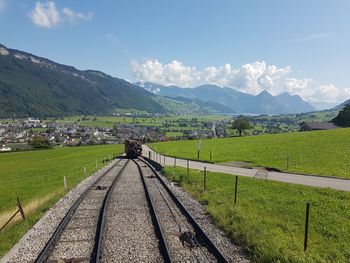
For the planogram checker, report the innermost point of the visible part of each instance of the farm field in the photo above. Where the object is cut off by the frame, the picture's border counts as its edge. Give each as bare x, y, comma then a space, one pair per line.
318, 153
108, 121
269, 217
36, 177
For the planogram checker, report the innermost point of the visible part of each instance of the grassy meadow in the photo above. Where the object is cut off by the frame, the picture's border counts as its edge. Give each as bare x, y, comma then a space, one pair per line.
109, 121
36, 177
318, 152
269, 217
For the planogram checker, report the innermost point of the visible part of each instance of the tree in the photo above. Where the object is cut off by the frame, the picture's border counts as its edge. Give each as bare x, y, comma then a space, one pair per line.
241, 124
343, 118
39, 142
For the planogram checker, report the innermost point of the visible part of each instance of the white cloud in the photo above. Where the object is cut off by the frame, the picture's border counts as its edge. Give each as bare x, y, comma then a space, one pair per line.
45, 15
250, 78
316, 36
73, 17
48, 15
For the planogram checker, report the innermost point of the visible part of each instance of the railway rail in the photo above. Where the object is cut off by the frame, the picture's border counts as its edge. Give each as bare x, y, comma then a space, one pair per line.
76, 236
129, 215
184, 240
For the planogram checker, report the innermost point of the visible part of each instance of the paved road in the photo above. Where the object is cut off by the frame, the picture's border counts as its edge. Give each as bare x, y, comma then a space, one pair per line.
338, 184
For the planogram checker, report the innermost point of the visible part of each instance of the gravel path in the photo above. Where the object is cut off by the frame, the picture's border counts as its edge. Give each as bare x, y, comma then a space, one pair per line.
129, 235
30, 245
232, 252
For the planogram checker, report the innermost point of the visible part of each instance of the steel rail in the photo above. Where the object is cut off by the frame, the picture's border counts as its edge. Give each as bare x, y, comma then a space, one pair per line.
46, 251
211, 246
96, 254
164, 249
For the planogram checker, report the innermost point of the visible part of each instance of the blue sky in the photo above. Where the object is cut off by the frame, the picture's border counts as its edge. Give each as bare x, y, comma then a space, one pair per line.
297, 46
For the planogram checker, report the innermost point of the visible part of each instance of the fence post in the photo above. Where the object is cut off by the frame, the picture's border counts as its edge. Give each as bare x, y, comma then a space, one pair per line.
65, 182
188, 167
149, 154
205, 178
236, 187
198, 154
306, 226
20, 209
174, 162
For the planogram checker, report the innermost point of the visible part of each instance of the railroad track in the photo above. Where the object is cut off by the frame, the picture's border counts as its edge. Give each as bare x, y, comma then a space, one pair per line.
77, 236
182, 239
129, 215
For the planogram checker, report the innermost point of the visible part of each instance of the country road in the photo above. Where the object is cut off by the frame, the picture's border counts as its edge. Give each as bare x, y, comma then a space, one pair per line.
308, 180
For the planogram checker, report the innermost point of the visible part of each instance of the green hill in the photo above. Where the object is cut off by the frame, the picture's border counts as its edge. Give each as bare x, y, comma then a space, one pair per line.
35, 86
318, 153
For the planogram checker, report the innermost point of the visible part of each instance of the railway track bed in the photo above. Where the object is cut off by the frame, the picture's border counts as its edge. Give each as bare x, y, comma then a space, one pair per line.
126, 213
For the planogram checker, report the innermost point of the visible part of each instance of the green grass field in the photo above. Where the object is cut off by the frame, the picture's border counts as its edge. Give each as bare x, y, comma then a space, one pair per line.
108, 121
318, 153
36, 177
269, 217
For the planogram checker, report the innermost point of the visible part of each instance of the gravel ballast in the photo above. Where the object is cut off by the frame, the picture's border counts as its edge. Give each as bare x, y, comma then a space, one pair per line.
231, 251
129, 235
174, 223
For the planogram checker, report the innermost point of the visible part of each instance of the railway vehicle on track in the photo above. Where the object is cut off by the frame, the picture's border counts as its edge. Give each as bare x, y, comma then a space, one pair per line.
133, 148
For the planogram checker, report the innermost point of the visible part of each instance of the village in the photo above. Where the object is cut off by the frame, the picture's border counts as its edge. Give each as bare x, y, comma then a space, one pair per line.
16, 134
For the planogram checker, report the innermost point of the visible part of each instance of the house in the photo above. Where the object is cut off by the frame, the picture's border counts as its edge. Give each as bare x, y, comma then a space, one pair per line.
5, 149
317, 126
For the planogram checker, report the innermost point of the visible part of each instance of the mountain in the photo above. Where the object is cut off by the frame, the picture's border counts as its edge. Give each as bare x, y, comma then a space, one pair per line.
35, 86
236, 101
342, 105
265, 103
181, 105
323, 105
291, 102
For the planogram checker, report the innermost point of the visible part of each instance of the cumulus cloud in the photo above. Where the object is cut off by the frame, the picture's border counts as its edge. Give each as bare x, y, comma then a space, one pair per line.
251, 78
47, 15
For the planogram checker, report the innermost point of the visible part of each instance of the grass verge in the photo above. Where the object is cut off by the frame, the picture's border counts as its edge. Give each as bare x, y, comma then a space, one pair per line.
269, 217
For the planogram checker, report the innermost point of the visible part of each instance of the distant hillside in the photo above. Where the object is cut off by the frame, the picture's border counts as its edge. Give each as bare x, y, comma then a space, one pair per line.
342, 105
236, 101
35, 86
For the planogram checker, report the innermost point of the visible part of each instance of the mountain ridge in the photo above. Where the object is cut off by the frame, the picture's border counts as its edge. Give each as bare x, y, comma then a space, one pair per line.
240, 102
34, 86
